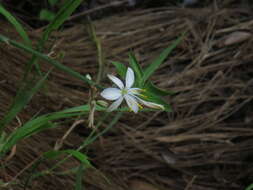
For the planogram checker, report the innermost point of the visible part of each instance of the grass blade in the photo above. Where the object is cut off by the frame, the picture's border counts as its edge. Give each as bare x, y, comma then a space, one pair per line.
250, 187
16, 24
157, 62
62, 15
93, 138
52, 2
46, 15
48, 59
121, 68
155, 90
22, 98
151, 97
39, 124
135, 66
76, 154
79, 178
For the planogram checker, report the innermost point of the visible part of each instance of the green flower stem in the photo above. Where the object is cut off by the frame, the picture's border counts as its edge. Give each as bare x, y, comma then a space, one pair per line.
91, 139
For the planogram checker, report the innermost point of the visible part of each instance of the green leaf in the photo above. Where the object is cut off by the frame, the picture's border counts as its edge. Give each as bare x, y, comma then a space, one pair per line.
84, 108
2, 140
48, 59
22, 98
158, 61
155, 90
121, 69
62, 15
149, 96
23, 132
16, 24
53, 154
136, 67
46, 15
250, 187
52, 2
79, 177
39, 124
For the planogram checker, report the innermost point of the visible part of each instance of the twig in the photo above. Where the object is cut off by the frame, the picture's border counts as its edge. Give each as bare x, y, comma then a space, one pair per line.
59, 143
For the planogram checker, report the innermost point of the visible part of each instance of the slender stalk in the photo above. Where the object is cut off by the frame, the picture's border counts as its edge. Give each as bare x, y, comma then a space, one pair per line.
90, 139
49, 60
93, 91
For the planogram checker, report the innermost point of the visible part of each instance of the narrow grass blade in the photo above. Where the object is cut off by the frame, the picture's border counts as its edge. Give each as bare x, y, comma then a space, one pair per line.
46, 15
52, 2
121, 69
155, 90
150, 97
135, 66
53, 154
250, 187
62, 15
97, 43
83, 108
48, 59
111, 124
22, 133
157, 62
79, 177
16, 24
39, 124
22, 99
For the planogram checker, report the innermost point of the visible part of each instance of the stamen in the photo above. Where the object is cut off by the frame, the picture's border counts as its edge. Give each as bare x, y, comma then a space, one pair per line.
140, 106
142, 95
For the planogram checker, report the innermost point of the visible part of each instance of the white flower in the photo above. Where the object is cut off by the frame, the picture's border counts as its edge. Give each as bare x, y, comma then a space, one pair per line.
126, 92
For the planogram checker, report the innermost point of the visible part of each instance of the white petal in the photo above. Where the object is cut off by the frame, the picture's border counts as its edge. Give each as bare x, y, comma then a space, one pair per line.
150, 104
111, 93
132, 103
115, 104
116, 81
129, 78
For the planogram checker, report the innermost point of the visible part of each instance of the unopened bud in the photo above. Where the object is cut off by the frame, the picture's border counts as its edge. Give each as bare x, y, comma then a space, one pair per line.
88, 76
102, 103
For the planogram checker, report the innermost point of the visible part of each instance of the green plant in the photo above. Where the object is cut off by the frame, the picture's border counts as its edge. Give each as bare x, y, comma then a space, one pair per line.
148, 94
46, 14
250, 187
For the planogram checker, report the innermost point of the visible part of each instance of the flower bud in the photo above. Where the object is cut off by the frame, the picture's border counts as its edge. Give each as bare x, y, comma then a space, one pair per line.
88, 76
102, 103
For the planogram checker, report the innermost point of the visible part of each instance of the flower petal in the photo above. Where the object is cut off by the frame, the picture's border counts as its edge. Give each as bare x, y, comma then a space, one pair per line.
132, 103
111, 93
129, 78
150, 104
115, 104
116, 81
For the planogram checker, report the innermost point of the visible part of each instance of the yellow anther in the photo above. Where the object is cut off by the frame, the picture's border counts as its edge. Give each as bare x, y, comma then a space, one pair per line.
144, 96
140, 106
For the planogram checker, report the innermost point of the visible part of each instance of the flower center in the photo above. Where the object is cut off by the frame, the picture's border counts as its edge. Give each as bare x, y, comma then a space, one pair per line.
124, 91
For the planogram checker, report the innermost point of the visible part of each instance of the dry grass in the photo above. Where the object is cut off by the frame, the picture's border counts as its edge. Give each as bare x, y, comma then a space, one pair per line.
205, 143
